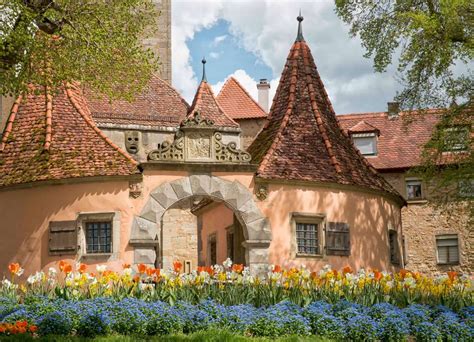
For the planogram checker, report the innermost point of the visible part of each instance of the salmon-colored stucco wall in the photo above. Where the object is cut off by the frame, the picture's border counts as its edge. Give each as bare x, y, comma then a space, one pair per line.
25, 215
368, 215
215, 221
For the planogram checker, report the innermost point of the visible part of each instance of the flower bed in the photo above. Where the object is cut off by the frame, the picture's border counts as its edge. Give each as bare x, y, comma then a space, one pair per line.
344, 320
367, 305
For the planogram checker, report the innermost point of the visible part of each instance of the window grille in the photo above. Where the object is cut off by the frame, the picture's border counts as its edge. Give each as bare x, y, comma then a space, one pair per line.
307, 238
99, 237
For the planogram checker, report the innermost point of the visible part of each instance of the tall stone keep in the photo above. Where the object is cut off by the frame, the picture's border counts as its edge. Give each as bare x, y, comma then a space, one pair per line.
160, 44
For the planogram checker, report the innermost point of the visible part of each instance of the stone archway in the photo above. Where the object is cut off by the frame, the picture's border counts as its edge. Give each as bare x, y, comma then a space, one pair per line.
145, 229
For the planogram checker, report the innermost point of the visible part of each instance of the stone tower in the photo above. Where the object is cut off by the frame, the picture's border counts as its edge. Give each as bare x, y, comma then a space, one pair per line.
161, 43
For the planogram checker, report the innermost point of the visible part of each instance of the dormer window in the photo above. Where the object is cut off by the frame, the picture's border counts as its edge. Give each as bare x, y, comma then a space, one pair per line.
366, 143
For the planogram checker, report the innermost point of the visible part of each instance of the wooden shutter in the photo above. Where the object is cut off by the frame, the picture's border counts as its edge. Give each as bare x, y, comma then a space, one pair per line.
338, 239
63, 238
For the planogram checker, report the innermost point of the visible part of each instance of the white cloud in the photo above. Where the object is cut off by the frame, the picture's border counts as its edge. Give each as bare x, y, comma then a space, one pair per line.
219, 39
214, 55
269, 32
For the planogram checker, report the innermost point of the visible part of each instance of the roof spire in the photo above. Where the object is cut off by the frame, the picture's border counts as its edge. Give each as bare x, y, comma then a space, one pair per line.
299, 37
204, 79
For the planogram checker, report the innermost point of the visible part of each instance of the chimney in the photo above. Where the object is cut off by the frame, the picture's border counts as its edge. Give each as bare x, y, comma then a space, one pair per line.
393, 109
263, 93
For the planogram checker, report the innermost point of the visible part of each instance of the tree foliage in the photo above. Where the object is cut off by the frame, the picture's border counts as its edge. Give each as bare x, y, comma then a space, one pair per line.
433, 41
95, 42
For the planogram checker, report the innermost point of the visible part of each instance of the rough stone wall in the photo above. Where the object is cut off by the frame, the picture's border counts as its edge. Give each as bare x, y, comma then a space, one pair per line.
422, 222
179, 236
161, 43
250, 129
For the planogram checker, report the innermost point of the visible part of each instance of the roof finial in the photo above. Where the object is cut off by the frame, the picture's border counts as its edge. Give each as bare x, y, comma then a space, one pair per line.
204, 79
299, 37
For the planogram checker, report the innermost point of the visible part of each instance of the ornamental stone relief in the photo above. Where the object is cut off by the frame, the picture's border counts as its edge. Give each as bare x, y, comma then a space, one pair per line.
198, 145
200, 140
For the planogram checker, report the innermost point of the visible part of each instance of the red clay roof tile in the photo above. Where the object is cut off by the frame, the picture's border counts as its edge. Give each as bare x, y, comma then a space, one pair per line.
205, 103
302, 139
158, 105
237, 102
54, 137
401, 139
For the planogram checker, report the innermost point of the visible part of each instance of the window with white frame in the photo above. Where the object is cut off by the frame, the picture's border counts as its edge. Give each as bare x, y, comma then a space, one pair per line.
447, 249
366, 143
414, 189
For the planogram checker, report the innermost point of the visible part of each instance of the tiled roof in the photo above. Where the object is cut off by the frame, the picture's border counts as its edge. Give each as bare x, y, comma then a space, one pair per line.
302, 139
159, 105
237, 102
53, 137
362, 127
205, 103
401, 139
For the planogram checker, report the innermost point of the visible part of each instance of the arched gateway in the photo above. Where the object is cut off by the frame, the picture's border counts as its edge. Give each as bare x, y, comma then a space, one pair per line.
256, 229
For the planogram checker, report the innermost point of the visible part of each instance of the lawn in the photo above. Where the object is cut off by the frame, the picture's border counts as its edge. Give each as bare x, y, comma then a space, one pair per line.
207, 336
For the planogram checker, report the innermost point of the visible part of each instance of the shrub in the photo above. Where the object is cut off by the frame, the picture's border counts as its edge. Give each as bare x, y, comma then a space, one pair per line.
426, 332
362, 328
418, 313
93, 323
452, 328
55, 323
327, 325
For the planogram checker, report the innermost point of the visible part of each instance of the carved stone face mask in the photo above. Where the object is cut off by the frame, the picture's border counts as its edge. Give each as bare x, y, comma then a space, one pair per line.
132, 140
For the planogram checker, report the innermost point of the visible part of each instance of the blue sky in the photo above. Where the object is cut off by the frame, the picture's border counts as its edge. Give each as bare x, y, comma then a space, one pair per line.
223, 54
250, 39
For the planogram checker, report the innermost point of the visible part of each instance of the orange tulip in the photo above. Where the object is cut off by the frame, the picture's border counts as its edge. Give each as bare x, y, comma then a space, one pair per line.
177, 266
126, 266
136, 279
237, 268
277, 269
377, 275
33, 328
346, 270
82, 268
452, 275
63, 266
142, 268
22, 324
403, 273
149, 272
14, 268
67, 268
3, 329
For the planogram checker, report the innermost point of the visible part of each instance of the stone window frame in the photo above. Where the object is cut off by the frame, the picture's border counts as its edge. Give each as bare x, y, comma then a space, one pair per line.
82, 219
373, 136
447, 236
420, 199
394, 250
313, 218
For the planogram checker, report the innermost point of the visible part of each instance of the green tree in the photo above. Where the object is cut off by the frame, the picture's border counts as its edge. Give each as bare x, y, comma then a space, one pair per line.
433, 42
95, 42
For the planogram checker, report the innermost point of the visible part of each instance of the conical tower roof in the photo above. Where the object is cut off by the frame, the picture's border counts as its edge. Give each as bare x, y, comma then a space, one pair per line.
53, 137
302, 139
206, 105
